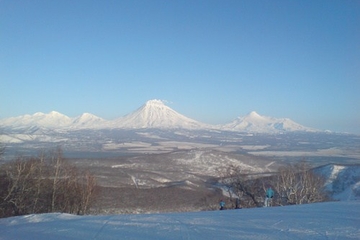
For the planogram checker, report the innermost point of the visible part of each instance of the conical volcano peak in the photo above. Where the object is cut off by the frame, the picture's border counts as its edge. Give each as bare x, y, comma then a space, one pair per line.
87, 117
154, 107
154, 102
254, 114
155, 114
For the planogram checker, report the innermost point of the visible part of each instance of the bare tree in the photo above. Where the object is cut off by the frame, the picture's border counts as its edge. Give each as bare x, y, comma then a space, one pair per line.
58, 171
73, 191
298, 184
2, 151
21, 193
47, 183
40, 184
293, 184
244, 185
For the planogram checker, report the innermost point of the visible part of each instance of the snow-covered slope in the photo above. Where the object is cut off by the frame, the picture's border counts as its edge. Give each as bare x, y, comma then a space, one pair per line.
333, 220
342, 181
253, 122
155, 114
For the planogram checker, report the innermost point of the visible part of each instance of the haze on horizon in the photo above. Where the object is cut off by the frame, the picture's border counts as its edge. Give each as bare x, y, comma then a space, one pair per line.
211, 60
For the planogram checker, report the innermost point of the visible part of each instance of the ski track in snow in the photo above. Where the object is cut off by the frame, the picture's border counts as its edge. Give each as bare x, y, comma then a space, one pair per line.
268, 165
134, 179
102, 227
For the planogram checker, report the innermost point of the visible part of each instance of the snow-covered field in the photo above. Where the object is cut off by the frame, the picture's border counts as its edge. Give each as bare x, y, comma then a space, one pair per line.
332, 220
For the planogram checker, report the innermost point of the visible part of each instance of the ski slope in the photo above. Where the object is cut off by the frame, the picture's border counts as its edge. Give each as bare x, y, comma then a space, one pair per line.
332, 220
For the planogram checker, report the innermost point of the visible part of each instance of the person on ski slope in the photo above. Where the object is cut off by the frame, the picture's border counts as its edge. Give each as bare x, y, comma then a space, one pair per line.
222, 205
268, 197
237, 203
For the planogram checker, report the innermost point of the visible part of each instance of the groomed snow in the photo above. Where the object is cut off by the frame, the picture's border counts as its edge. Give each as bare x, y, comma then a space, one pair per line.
333, 220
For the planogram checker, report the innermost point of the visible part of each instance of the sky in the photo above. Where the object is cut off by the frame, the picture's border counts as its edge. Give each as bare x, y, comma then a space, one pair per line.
333, 220
212, 60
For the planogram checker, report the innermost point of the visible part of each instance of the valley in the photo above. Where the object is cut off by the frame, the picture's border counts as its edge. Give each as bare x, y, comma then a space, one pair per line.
181, 171
318, 147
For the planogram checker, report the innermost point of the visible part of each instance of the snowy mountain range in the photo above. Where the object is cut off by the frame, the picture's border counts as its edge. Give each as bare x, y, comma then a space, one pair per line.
153, 114
254, 122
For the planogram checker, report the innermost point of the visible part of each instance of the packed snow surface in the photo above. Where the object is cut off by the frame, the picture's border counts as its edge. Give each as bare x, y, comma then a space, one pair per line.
332, 220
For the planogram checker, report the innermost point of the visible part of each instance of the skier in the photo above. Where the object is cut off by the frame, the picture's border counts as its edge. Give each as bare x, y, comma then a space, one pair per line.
237, 203
268, 197
222, 205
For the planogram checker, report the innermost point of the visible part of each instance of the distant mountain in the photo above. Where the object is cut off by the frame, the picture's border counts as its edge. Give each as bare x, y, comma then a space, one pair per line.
53, 120
155, 114
87, 120
253, 122
50, 120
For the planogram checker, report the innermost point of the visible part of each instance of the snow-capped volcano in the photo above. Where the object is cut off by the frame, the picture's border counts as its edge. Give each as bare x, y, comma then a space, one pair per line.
48, 120
88, 120
253, 122
155, 114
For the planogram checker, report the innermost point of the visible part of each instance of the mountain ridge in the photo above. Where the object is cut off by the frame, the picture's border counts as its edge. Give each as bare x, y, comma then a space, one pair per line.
153, 114
253, 122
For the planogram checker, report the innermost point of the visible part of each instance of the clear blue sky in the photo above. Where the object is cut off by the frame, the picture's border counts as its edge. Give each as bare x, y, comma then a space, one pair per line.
212, 60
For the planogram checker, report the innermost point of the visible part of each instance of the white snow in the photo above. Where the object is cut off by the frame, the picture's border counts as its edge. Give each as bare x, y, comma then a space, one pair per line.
328, 152
332, 220
254, 147
10, 139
